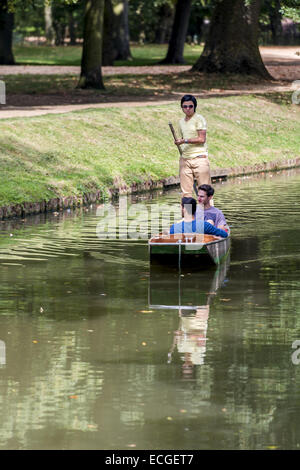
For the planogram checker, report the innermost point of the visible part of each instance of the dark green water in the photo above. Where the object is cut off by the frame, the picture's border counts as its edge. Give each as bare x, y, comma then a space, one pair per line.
96, 354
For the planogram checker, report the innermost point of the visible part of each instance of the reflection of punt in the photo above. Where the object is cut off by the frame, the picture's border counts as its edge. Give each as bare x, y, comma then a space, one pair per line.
173, 291
199, 248
190, 294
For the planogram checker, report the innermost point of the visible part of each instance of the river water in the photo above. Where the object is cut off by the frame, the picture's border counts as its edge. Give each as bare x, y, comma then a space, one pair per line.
98, 351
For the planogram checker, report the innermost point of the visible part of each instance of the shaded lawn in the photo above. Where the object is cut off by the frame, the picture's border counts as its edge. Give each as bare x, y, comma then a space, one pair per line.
149, 54
132, 85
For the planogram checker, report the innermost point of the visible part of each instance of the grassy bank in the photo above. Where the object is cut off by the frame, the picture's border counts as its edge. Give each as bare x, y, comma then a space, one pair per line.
70, 154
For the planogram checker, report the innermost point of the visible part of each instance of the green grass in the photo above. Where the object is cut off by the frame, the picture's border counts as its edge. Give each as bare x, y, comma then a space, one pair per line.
71, 55
151, 54
78, 152
47, 55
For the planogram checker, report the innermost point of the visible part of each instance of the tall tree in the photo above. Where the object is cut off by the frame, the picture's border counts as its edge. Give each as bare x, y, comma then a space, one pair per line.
91, 61
72, 24
164, 23
121, 29
6, 34
109, 52
232, 43
49, 30
178, 35
275, 15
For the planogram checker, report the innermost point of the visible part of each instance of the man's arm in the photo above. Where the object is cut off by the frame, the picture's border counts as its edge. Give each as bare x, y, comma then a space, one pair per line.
211, 230
201, 139
220, 220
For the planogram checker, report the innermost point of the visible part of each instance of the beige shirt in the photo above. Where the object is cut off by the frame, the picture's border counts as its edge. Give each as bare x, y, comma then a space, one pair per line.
189, 130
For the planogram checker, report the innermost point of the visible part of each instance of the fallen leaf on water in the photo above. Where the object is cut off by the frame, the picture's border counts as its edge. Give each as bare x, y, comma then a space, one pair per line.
35, 341
73, 396
131, 445
272, 447
169, 418
146, 311
144, 343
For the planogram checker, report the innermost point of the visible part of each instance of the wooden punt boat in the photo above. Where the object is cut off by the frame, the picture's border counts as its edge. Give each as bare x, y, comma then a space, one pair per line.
202, 249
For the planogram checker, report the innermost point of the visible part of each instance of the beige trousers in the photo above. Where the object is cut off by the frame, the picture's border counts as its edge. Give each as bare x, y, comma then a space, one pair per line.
191, 169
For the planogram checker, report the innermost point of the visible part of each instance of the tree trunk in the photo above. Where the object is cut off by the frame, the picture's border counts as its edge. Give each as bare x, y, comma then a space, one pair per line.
164, 28
91, 75
275, 21
232, 43
199, 28
122, 30
179, 30
109, 52
72, 29
6, 35
49, 30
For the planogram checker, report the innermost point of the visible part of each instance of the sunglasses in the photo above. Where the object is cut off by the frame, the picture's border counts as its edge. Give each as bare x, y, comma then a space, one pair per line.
188, 106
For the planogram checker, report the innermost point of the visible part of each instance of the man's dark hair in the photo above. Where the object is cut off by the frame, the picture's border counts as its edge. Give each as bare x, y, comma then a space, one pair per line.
207, 188
189, 98
190, 204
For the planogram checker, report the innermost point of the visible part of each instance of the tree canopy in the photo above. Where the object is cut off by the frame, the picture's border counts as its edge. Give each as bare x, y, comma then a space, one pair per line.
230, 30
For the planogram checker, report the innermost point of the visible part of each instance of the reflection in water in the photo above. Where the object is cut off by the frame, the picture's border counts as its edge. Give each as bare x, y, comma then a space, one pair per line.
193, 289
2, 353
86, 348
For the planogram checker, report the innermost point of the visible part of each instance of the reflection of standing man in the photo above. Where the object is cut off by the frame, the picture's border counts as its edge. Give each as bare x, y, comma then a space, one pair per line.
2, 353
190, 338
194, 164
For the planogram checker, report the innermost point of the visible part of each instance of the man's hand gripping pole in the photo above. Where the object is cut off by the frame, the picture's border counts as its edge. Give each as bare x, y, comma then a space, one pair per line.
175, 137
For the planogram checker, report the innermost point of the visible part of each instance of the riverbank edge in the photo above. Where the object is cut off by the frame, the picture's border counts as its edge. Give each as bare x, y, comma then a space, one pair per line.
69, 202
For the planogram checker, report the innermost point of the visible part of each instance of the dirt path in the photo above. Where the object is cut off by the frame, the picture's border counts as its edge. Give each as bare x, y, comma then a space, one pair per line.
283, 63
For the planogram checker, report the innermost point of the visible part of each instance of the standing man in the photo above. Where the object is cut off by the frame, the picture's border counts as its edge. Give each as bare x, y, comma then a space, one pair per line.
194, 164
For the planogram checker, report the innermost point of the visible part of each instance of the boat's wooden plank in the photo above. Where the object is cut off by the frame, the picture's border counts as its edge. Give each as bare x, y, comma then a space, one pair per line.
185, 238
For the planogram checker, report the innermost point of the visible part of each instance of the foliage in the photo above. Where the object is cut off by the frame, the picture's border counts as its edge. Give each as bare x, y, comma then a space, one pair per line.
13, 4
29, 16
145, 18
291, 12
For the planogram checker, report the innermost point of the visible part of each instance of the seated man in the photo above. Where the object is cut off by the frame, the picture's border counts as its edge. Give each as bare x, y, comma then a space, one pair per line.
190, 224
211, 214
